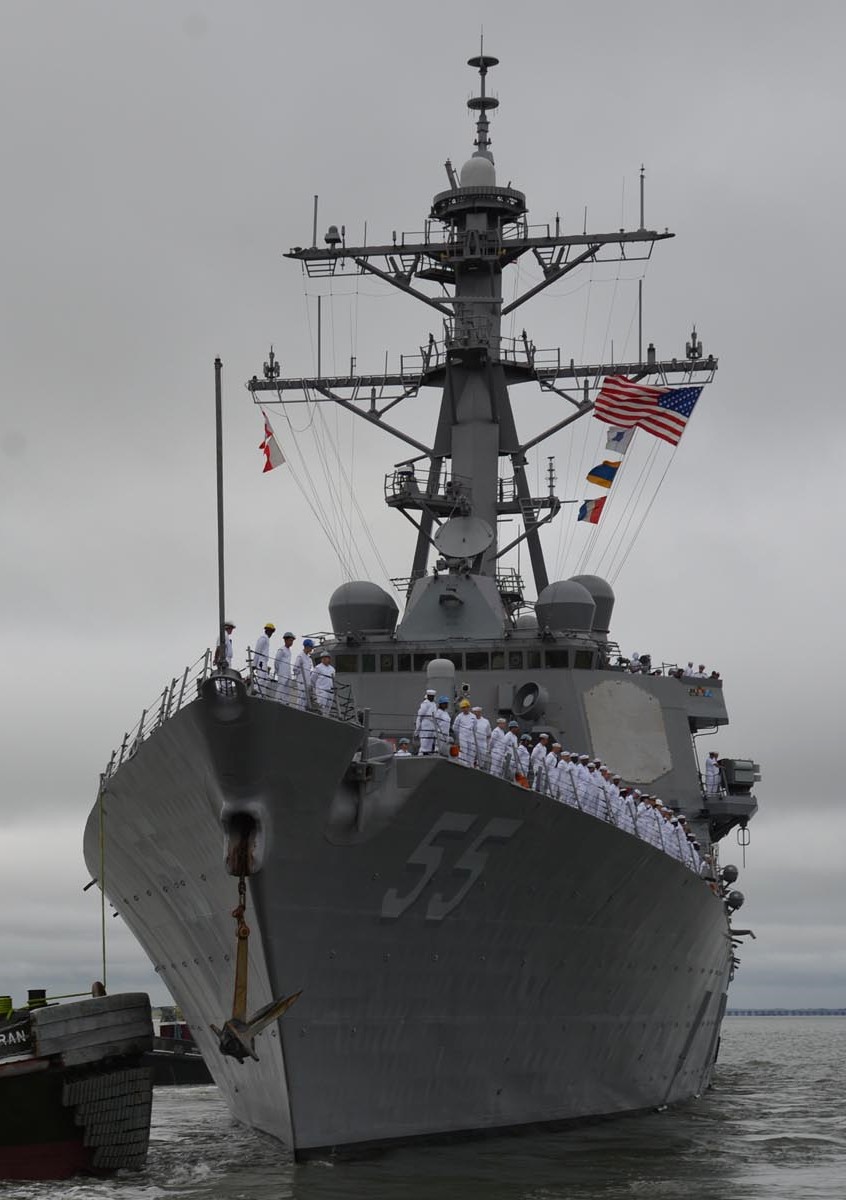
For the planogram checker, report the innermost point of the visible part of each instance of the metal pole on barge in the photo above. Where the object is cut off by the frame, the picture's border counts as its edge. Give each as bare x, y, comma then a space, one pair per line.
218, 413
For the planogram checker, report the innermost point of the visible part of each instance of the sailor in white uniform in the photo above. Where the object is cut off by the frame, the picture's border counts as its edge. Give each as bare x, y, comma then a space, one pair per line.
425, 726
464, 731
550, 770
303, 668
611, 794
224, 659
261, 650
442, 724
565, 788
646, 821
483, 738
537, 758
323, 682
498, 747
712, 773
282, 667
523, 757
627, 809
594, 793
510, 745
403, 750
261, 654
581, 778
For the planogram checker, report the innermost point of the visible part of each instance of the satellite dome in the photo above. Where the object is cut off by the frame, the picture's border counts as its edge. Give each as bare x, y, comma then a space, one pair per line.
363, 607
603, 598
527, 622
565, 605
478, 171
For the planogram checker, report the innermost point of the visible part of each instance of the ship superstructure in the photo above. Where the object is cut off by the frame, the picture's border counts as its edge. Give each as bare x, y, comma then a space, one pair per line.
458, 952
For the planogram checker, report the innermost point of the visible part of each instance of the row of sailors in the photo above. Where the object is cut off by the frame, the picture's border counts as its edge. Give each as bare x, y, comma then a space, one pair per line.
641, 664
590, 786
573, 779
293, 679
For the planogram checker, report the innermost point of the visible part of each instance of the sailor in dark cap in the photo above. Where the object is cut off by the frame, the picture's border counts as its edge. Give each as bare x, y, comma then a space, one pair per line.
443, 722
523, 756
282, 667
303, 667
403, 750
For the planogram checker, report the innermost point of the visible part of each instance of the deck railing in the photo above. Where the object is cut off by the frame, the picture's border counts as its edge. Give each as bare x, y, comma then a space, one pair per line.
184, 688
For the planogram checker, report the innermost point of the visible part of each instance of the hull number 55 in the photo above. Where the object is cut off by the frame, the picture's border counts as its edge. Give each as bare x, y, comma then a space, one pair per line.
429, 855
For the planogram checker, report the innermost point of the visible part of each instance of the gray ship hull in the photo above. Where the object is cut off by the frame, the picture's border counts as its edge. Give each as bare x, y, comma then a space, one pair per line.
472, 956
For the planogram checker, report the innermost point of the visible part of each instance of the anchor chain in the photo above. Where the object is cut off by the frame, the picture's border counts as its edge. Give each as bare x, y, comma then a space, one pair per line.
237, 1037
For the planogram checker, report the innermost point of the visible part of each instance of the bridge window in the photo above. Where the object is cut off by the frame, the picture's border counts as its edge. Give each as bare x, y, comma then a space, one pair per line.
368, 663
456, 659
477, 660
497, 660
533, 660
346, 662
583, 660
386, 662
515, 660
557, 658
421, 661
403, 662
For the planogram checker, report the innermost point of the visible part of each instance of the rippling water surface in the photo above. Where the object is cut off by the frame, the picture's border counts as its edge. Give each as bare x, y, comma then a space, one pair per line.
772, 1127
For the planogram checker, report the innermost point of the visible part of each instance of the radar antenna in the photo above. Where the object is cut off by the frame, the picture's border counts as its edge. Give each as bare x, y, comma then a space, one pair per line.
482, 103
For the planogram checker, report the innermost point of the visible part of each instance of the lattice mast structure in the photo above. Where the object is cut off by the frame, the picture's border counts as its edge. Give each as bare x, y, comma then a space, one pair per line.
476, 229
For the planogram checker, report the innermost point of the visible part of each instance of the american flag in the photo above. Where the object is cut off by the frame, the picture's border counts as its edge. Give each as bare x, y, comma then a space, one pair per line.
659, 410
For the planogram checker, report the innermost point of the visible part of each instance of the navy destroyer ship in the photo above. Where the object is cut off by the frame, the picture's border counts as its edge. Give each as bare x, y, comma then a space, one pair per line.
371, 946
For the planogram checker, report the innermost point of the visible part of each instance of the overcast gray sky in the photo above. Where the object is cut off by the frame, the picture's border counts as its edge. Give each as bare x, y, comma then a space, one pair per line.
157, 159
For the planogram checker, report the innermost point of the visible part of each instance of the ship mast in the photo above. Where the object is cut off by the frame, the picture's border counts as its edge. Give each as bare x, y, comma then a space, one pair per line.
477, 228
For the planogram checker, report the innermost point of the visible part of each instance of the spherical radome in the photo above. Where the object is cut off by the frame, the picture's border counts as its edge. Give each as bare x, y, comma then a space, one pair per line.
478, 171
565, 605
362, 607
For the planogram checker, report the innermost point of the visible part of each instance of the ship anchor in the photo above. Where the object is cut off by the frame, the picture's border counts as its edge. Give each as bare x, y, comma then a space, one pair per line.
237, 1037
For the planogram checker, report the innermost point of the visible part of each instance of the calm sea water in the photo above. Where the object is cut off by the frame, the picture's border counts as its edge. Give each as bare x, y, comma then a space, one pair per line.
773, 1127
